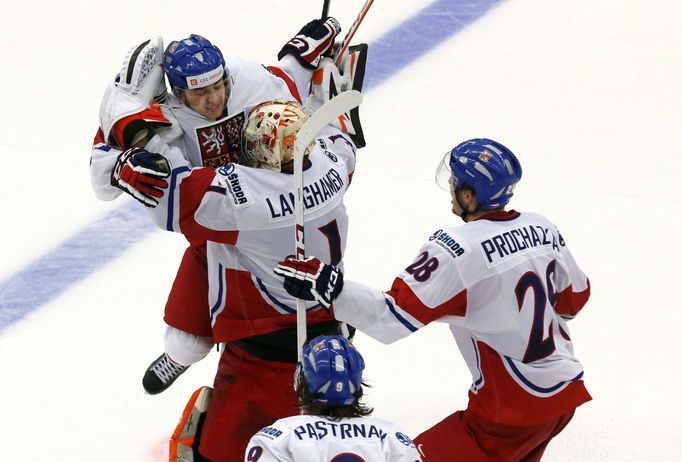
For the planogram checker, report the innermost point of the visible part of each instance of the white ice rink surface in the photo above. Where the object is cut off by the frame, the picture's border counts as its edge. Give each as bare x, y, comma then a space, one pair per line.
586, 93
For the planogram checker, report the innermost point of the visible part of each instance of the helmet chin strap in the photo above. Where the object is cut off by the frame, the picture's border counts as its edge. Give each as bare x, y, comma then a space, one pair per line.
465, 212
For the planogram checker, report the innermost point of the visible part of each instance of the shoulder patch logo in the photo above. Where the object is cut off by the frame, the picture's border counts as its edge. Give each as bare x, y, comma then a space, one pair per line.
403, 438
231, 179
331, 156
270, 432
226, 169
435, 235
444, 240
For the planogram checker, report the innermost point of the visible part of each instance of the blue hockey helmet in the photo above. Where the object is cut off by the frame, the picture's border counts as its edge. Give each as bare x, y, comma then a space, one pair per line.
193, 62
484, 165
332, 370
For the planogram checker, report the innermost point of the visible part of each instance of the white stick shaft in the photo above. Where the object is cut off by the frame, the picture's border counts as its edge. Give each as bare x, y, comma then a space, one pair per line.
324, 116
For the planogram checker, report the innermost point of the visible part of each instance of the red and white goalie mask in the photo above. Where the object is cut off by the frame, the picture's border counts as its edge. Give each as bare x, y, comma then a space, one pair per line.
270, 134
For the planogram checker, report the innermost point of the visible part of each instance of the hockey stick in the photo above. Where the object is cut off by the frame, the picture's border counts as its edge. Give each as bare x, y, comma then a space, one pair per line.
325, 115
325, 9
325, 13
351, 31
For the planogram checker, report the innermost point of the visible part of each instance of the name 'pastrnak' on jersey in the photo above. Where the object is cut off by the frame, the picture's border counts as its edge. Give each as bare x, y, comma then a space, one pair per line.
312, 438
320, 429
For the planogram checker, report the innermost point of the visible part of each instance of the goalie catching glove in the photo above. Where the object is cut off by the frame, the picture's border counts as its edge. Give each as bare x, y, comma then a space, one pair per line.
311, 279
312, 42
129, 112
141, 174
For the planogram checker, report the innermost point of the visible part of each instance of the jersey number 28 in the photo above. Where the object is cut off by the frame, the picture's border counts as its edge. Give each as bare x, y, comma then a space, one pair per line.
538, 346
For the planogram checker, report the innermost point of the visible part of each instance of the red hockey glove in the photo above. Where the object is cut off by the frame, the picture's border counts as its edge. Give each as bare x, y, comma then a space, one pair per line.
311, 279
312, 42
140, 173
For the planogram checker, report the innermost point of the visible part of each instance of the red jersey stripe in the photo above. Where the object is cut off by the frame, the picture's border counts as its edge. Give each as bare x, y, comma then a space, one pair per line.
404, 296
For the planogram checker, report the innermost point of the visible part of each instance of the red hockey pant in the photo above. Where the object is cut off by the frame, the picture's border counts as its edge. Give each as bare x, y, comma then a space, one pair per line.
249, 393
187, 305
465, 436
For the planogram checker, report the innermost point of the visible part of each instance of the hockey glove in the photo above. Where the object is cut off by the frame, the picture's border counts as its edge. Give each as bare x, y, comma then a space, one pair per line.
311, 279
142, 73
141, 174
129, 106
312, 42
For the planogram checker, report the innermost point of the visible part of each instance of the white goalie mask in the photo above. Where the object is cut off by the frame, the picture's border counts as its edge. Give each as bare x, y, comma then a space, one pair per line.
270, 134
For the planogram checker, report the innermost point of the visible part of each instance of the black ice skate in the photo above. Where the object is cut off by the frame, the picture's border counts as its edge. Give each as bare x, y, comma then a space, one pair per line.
161, 374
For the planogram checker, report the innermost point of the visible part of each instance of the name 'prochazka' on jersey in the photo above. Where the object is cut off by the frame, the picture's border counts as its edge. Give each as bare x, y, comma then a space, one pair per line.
518, 240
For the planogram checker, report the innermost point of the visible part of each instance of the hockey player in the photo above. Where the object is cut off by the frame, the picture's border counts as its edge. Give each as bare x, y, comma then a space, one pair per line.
335, 425
205, 89
247, 216
506, 283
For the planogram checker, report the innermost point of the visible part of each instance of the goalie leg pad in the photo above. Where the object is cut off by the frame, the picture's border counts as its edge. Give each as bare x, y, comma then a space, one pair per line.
353, 65
185, 439
329, 81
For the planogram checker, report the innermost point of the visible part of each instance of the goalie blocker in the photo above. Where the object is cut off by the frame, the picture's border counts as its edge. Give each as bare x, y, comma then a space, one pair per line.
329, 81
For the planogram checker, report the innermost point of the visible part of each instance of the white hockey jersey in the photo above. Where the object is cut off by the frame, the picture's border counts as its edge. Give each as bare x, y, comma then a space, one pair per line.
317, 439
205, 142
247, 217
506, 284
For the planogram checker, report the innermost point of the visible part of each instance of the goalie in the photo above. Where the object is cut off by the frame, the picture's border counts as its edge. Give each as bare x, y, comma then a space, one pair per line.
244, 214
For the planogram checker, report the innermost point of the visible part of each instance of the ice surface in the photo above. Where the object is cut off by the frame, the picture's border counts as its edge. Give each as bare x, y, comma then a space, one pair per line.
586, 93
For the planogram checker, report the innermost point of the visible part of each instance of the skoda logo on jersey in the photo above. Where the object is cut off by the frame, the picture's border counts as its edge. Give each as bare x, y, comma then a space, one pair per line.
435, 235
226, 169
444, 240
270, 432
403, 439
332, 156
